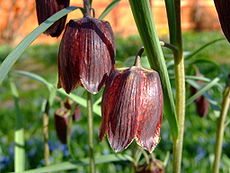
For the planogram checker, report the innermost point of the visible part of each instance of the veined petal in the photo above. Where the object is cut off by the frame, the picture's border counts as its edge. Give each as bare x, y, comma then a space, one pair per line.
150, 110
68, 60
96, 51
119, 106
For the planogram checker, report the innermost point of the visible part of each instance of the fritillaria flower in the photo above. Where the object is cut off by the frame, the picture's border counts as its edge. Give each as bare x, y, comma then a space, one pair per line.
132, 107
61, 124
223, 10
202, 105
86, 54
155, 166
46, 8
63, 120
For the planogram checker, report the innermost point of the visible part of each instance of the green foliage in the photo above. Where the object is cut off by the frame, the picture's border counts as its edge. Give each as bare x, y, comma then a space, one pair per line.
199, 132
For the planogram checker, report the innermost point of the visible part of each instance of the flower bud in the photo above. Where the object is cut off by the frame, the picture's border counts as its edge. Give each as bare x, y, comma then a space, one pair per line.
77, 113
46, 8
223, 10
132, 106
86, 54
61, 124
155, 166
202, 105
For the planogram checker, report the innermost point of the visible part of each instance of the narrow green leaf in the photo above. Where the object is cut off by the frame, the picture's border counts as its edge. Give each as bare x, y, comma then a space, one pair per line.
83, 162
201, 78
35, 77
108, 9
81, 101
203, 47
171, 15
144, 20
202, 60
202, 91
21, 47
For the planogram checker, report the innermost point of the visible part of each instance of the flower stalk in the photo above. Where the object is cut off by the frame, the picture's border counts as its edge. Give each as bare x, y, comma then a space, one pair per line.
87, 7
90, 133
19, 154
220, 129
46, 132
174, 21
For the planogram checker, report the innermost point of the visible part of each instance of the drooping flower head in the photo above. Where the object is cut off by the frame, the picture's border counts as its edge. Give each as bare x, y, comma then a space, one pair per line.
86, 54
46, 8
223, 10
61, 124
202, 104
155, 166
132, 107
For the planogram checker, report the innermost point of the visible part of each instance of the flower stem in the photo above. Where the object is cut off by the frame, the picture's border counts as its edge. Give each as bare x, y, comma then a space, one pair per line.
90, 133
19, 154
46, 132
176, 39
87, 7
180, 108
220, 129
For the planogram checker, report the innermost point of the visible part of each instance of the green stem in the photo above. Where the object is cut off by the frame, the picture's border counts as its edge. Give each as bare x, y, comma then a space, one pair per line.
19, 154
220, 129
180, 90
46, 133
90, 133
87, 7
180, 108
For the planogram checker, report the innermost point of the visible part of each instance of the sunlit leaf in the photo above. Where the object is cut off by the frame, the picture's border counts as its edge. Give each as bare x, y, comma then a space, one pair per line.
81, 101
83, 162
203, 90
108, 9
190, 55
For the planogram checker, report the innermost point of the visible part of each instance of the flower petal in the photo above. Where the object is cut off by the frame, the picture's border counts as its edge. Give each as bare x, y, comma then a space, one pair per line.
68, 60
150, 110
96, 52
119, 104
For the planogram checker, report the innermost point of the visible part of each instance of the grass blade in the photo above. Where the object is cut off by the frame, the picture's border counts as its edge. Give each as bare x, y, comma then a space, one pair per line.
34, 76
21, 47
81, 101
203, 47
108, 9
145, 24
83, 162
202, 91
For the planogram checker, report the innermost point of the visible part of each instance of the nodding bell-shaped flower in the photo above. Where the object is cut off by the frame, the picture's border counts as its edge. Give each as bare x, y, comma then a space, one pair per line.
155, 166
223, 10
86, 54
132, 107
46, 8
202, 105
61, 124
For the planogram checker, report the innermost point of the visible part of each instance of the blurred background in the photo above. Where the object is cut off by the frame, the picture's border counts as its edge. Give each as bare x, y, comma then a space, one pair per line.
200, 25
